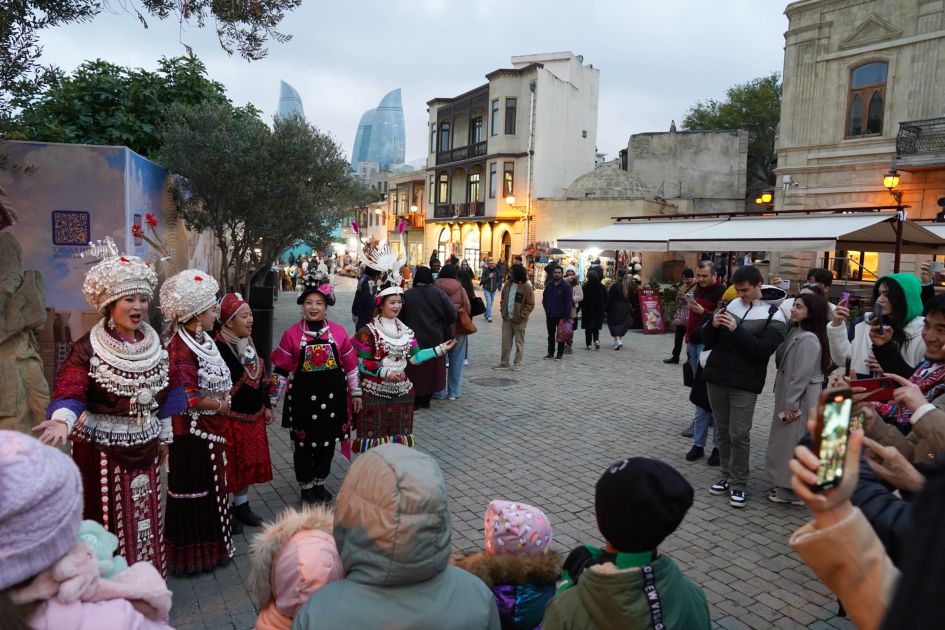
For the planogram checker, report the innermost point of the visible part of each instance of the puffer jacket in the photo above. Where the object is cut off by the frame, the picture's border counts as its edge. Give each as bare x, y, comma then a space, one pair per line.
393, 529
521, 584
457, 295
291, 559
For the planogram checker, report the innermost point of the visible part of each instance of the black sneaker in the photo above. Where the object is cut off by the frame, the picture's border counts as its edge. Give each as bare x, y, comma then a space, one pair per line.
549, 356
696, 452
719, 487
246, 516
308, 496
737, 498
322, 495
671, 360
714, 458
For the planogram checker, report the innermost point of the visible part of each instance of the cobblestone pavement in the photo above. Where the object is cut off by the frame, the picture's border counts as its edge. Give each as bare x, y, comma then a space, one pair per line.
544, 434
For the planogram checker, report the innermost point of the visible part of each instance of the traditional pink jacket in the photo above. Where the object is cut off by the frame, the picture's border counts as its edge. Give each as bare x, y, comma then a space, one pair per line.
286, 354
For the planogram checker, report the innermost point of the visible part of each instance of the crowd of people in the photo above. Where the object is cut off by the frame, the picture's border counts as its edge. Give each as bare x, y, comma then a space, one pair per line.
198, 400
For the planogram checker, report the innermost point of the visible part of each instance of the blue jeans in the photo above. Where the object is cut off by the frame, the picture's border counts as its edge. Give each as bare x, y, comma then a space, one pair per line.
701, 418
490, 296
454, 373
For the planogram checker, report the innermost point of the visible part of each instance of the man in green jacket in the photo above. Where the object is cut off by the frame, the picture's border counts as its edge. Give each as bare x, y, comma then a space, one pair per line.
628, 583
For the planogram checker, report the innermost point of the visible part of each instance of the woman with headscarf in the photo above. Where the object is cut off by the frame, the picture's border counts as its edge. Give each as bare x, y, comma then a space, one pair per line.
247, 445
430, 314
318, 367
618, 308
116, 376
197, 527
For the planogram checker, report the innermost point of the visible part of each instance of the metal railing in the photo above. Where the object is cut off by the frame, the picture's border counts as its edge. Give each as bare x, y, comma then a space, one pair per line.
461, 153
452, 210
921, 136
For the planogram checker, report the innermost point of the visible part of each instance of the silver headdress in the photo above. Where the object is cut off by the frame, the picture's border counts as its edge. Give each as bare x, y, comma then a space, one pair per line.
187, 294
115, 276
389, 263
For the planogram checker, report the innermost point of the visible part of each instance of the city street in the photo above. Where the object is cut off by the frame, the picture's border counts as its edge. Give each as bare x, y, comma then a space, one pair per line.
543, 435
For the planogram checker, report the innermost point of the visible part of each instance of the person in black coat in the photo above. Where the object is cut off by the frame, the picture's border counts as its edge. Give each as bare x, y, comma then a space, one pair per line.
430, 314
362, 308
593, 307
618, 308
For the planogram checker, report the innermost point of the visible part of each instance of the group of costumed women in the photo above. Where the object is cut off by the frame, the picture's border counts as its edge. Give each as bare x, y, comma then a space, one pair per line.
199, 403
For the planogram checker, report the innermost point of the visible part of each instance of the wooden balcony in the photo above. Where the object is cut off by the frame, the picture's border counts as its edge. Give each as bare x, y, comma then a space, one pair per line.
459, 210
459, 154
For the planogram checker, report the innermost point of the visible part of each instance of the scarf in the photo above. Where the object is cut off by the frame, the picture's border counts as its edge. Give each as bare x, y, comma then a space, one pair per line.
930, 377
243, 346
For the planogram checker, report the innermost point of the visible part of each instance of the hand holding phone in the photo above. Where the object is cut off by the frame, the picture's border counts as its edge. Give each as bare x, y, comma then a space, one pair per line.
877, 389
831, 433
844, 300
878, 316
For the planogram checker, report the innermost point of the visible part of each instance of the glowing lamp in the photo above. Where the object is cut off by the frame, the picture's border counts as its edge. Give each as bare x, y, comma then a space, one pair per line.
891, 180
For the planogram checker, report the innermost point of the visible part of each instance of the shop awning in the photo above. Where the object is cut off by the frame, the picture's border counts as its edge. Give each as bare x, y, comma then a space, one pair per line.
935, 228
645, 236
874, 232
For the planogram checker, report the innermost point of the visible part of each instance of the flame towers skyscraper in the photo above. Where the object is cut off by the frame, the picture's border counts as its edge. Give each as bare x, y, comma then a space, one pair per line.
381, 138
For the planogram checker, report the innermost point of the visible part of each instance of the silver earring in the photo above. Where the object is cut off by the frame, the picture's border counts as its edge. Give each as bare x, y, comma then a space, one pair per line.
111, 324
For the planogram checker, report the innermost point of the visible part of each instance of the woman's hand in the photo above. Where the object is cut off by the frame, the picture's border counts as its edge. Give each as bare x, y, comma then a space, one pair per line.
840, 315
892, 467
54, 432
356, 404
790, 415
880, 339
832, 505
449, 344
395, 377
873, 364
907, 394
162, 453
268, 415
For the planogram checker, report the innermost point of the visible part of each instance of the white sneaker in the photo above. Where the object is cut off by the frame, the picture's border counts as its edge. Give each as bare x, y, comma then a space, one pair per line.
465, 361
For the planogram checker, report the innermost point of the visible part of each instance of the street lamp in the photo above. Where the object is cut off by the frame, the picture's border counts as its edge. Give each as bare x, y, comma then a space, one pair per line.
764, 199
413, 209
891, 182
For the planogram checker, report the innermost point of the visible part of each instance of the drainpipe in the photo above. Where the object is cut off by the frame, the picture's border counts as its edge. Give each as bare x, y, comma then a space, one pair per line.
528, 180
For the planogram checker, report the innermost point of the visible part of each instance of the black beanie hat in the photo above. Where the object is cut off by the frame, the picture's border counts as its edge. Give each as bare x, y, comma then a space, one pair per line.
639, 502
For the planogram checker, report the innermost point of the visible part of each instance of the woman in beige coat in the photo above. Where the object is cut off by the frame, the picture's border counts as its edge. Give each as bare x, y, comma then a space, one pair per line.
802, 359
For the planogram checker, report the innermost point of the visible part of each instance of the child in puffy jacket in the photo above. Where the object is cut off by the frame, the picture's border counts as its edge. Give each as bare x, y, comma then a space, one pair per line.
291, 559
517, 564
51, 574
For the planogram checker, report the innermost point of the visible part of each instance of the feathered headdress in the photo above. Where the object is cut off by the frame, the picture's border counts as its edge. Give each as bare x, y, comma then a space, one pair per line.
389, 263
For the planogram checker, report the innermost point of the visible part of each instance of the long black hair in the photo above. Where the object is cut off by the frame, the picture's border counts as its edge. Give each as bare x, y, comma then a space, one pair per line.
897, 299
816, 322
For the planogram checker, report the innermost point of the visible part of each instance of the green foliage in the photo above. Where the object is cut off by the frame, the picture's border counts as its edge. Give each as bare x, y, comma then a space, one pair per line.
102, 103
257, 190
754, 106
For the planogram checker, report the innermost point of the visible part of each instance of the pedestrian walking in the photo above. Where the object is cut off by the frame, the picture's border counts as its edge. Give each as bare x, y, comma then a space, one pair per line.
741, 338
428, 312
619, 316
317, 367
490, 282
449, 283
247, 445
681, 316
577, 296
516, 304
802, 360
466, 275
557, 300
593, 307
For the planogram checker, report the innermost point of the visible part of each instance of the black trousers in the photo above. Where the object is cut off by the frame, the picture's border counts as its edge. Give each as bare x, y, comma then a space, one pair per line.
677, 343
313, 464
552, 330
590, 336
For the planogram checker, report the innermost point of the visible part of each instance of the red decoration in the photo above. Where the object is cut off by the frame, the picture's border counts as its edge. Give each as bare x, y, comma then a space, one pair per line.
124, 260
198, 278
137, 231
152, 221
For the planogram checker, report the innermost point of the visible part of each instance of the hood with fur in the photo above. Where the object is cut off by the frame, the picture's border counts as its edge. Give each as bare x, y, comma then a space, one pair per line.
297, 547
512, 568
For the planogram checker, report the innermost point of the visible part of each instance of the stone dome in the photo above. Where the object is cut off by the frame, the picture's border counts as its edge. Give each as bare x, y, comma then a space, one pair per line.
607, 183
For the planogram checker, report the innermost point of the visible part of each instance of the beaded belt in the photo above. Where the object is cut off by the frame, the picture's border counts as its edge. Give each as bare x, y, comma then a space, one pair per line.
108, 430
386, 389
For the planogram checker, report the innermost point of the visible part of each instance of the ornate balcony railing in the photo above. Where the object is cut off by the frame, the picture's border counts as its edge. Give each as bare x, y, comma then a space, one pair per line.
454, 210
461, 153
921, 136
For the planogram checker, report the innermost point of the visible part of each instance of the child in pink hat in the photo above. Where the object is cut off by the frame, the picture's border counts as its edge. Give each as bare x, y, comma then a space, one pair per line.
518, 563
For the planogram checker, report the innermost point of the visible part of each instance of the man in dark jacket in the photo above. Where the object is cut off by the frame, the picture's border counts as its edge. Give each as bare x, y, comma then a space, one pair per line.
557, 301
490, 281
742, 337
362, 308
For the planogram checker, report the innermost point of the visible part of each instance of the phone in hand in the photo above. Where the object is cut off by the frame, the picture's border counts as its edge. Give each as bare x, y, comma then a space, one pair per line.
722, 306
844, 299
831, 435
785, 285
880, 389
878, 315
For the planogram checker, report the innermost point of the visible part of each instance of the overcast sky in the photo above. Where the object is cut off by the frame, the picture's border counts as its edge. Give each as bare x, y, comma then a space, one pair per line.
655, 58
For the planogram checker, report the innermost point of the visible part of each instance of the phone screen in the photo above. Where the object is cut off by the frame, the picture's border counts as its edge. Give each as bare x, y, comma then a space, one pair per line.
831, 435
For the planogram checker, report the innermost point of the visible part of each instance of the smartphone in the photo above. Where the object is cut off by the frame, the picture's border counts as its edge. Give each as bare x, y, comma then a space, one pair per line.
878, 314
785, 285
844, 299
722, 305
880, 389
834, 411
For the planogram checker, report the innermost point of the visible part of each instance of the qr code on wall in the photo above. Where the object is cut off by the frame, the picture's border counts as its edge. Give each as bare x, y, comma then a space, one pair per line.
71, 227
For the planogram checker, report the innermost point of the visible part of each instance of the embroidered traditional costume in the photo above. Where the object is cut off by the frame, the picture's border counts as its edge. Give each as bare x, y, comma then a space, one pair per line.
108, 393
198, 516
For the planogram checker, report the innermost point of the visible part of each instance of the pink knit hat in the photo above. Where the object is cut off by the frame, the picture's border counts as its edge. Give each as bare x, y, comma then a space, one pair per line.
40, 506
512, 527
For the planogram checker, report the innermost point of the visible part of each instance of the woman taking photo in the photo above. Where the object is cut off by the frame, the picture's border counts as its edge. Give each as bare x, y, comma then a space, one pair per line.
430, 314
247, 445
681, 317
448, 282
384, 347
618, 308
117, 375
197, 527
315, 357
802, 360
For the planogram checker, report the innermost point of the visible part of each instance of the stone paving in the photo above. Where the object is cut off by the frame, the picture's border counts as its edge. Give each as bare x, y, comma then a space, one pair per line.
544, 435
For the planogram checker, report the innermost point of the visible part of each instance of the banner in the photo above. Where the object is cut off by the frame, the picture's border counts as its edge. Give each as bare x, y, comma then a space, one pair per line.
651, 311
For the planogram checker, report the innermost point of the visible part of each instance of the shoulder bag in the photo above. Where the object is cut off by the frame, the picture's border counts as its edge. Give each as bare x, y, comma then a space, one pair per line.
464, 323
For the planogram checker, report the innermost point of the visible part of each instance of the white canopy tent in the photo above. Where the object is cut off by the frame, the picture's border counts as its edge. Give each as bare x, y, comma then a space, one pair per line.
640, 236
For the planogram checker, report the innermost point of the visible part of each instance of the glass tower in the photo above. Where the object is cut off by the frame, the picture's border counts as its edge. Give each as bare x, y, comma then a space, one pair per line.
289, 101
381, 137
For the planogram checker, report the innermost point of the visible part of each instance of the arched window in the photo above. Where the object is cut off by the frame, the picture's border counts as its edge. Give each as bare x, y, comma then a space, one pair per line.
865, 108
443, 244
